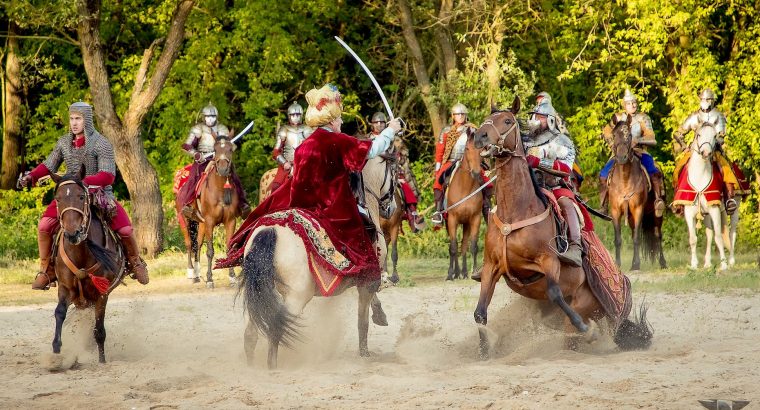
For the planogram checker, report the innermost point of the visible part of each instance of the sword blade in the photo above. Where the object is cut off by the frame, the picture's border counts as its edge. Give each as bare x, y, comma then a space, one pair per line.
369, 74
241, 133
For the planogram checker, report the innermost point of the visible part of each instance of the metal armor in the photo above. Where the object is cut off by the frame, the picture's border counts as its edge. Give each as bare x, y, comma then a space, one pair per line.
641, 126
202, 138
699, 117
289, 137
457, 152
549, 145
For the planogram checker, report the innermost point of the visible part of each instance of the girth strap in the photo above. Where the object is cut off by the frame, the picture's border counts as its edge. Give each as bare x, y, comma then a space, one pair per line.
507, 228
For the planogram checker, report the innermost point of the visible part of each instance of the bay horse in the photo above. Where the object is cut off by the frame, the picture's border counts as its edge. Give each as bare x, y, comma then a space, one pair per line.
277, 282
391, 228
218, 203
700, 178
521, 250
89, 260
464, 182
632, 199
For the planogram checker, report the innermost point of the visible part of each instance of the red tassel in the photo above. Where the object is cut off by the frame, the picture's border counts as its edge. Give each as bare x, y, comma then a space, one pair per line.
101, 283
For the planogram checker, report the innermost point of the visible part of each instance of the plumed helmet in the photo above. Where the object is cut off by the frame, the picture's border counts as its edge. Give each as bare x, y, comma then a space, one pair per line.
210, 110
325, 105
459, 108
543, 96
707, 93
379, 117
629, 96
295, 108
85, 110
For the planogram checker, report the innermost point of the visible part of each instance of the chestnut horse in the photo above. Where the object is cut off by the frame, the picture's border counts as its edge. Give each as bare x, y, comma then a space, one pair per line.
468, 213
218, 203
632, 200
521, 251
86, 252
391, 229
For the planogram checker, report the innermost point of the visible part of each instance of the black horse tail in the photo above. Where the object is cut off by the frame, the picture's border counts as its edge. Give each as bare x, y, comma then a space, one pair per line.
227, 195
106, 258
635, 334
192, 231
651, 242
261, 299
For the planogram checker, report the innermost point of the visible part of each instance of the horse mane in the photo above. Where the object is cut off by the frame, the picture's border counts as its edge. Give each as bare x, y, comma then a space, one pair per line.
71, 176
536, 188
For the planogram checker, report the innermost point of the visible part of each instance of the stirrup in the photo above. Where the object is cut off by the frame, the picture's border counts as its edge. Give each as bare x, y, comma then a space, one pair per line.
47, 285
659, 207
437, 218
731, 206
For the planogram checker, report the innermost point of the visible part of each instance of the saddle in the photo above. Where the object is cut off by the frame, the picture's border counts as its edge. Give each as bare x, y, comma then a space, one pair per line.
446, 175
644, 170
356, 182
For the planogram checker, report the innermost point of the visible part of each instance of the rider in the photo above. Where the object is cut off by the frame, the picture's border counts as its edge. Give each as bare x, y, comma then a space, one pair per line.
735, 183
642, 136
577, 176
323, 190
82, 145
548, 148
449, 149
200, 145
289, 137
405, 177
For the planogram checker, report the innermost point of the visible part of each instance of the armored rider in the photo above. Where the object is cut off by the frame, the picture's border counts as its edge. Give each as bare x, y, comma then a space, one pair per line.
289, 137
82, 145
200, 145
735, 182
449, 149
642, 136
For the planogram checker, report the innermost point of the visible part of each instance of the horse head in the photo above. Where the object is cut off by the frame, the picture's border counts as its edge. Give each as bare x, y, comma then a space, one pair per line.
704, 140
621, 140
499, 134
224, 152
73, 203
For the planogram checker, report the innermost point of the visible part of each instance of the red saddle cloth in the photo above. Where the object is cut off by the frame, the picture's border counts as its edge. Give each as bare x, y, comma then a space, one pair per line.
686, 194
180, 178
610, 286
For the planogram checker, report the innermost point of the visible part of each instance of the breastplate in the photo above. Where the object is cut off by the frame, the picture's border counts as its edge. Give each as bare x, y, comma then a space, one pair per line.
293, 138
460, 146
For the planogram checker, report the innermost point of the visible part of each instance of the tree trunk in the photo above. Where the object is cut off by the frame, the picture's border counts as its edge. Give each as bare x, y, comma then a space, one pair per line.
444, 38
12, 142
420, 71
140, 177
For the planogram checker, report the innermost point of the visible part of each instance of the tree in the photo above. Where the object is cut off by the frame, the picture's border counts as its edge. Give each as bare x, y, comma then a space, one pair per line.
12, 141
125, 133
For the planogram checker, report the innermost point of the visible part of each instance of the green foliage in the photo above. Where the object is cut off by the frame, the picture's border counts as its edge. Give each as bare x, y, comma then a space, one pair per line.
19, 213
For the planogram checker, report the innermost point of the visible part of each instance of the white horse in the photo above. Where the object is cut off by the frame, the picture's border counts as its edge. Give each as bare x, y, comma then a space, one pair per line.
277, 281
700, 177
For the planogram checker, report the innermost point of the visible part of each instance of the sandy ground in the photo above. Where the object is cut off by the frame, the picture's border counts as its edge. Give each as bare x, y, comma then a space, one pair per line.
186, 351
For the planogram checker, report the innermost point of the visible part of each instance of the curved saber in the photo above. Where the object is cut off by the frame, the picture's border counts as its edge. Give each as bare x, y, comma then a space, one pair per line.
369, 74
235, 138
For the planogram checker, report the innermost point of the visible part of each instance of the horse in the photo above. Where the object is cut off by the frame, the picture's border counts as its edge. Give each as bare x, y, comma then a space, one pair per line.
632, 200
218, 203
277, 283
265, 183
464, 182
89, 260
520, 248
391, 228
701, 181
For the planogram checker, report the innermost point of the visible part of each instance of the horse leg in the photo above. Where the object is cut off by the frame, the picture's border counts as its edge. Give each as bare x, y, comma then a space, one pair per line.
636, 233
199, 239
554, 293
618, 239
690, 214
249, 340
709, 234
185, 229
60, 316
453, 257
365, 296
585, 304
488, 281
394, 255
715, 215
474, 246
209, 255
731, 240
658, 236
100, 328
463, 249
229, 230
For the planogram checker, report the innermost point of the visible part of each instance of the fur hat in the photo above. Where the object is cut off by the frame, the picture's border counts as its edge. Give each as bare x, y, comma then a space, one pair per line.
325, 105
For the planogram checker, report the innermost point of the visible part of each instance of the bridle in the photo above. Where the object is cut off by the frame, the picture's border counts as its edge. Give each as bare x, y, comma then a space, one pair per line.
626, 141
499, 149
222, 157
697, 146
81, 231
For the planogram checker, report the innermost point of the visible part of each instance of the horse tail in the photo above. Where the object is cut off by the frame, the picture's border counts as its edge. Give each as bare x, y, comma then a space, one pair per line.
192, 231
635, 334
651, 242
260, 297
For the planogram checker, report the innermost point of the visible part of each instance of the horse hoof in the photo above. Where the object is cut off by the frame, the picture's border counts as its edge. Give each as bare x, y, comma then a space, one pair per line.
582, 327
209, 285
194, 280
394, 279
364, 353
450, 278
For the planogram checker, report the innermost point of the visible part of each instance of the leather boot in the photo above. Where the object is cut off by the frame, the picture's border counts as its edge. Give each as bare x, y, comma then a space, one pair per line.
487, 194
573, 255
437, 217
137, 266
659, 194
731, 204
603, 195
46, 275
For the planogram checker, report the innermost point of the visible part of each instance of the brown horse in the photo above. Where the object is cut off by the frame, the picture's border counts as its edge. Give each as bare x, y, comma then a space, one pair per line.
468, 213
86, 252
391, 229
218, 203
520, 250
632, 200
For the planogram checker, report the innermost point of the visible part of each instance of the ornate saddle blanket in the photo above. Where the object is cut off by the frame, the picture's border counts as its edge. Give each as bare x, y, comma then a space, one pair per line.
326, 264
610, 286
180, 178
686, 194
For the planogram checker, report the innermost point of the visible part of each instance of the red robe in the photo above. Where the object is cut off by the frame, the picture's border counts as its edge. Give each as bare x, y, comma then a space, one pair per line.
320, 186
